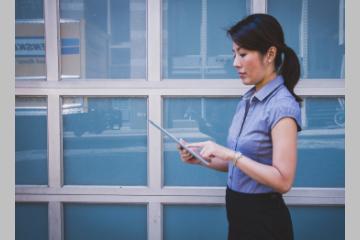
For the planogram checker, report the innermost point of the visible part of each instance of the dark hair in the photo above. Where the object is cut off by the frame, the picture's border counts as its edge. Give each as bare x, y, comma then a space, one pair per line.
261, 31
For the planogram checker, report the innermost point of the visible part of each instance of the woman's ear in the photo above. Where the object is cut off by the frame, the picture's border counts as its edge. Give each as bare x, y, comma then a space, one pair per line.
271, 54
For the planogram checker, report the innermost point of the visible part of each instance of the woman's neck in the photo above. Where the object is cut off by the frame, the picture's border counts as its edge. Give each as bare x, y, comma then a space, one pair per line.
265, 80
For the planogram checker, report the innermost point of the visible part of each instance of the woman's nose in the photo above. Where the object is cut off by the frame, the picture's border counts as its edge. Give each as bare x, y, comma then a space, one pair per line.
236, 62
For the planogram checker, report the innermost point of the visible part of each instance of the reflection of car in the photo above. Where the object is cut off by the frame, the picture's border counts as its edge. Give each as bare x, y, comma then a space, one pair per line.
94, 121
89, 115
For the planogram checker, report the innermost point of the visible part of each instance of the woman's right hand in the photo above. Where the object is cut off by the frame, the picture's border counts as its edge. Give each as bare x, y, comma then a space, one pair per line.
186, 156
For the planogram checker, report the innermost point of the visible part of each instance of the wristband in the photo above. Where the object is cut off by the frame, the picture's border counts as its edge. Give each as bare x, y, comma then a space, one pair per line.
238, 155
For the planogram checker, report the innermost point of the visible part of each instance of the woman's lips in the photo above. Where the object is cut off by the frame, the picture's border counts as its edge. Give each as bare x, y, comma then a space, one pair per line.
242, 75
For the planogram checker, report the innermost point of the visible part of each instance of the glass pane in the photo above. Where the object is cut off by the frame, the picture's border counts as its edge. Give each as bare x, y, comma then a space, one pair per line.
195, 119
192, 222
195, 44
314, 223
105, 141
31, 140
29, 40
31, 221
103, 39
315, 30
321, 144
100, 221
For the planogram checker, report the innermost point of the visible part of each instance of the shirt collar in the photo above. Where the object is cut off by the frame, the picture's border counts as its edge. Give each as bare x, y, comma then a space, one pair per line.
265, 90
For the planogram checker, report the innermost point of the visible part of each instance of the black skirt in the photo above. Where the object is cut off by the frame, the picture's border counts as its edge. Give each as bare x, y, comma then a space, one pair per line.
262, 216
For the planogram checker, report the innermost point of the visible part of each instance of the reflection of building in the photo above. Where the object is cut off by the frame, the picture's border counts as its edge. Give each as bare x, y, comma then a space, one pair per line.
192, 64
113, 49
30, 49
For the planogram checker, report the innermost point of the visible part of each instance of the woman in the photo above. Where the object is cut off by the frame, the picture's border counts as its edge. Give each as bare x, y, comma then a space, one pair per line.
262, 141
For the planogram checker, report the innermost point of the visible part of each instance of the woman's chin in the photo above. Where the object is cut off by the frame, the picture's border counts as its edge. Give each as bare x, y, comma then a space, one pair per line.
245, 81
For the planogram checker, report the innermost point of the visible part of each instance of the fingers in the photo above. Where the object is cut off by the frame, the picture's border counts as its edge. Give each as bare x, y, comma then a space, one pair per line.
185, 154
205, 153
179, 147
197, 144
187, 157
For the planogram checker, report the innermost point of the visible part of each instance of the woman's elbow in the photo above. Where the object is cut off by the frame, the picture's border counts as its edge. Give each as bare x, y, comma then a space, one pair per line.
284, 187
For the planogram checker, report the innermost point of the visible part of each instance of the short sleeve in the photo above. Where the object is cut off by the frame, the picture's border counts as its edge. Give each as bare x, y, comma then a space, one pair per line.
283, 108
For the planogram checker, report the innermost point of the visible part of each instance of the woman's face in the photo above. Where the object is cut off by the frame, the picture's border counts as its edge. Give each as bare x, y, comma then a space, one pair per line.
250, 65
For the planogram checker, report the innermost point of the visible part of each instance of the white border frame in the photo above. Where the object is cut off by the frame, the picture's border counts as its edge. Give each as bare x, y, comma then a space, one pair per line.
155, 195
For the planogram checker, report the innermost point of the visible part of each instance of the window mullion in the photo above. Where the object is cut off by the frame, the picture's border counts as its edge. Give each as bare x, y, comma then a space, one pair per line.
154, 40
54, 142
55, 221
258, 6
51, 39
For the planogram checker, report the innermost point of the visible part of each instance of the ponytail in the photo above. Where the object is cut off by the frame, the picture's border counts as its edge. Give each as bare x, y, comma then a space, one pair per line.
290, 70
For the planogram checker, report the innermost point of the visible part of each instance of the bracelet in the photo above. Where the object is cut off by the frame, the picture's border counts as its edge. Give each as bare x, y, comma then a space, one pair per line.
238, 155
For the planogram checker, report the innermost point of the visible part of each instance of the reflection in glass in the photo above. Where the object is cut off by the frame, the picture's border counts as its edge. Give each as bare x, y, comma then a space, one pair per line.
31, 141
195, 44
103, 39
29, 40
104, 221
321, 144
104, 141
315, 30
313, 223
191, 222
194, 120
31, 221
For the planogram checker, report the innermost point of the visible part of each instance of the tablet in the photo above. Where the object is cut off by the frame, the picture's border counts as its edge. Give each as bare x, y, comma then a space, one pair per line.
195, 154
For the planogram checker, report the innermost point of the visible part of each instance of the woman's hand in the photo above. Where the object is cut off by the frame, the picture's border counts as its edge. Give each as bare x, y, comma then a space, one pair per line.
216, 162
210, 150
185, 155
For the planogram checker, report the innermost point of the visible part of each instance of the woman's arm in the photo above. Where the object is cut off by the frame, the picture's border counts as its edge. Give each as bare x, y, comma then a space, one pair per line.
280, 175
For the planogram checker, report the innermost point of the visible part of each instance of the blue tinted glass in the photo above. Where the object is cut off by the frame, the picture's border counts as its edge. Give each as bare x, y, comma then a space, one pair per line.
194, 120
100, 221
314, 223
31, 221
105, 141
321, 144
194, 37
29, 39
25, 9
315, 30
194, 222
103, 39
31, 140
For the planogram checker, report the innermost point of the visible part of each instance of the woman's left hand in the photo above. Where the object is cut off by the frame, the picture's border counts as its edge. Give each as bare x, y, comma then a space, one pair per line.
210, 149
